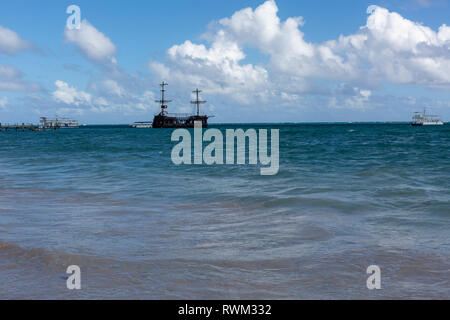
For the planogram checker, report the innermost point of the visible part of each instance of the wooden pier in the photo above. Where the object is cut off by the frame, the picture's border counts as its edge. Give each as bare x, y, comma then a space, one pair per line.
23, 127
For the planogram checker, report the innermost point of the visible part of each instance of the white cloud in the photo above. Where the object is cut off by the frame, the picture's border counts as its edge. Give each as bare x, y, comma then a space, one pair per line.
427, 3
19, 86
350, 97
70, 111
281, 40
118, 91
92, 43
112, 87
359, 100
216, 69
220, 68
124, 95
397, 50
11, 43
100, 101
388, 48
9, 72
11, 79
3, 102
69, 95
391, 47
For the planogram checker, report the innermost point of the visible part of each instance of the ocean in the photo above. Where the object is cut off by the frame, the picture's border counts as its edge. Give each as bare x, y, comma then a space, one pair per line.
110, 200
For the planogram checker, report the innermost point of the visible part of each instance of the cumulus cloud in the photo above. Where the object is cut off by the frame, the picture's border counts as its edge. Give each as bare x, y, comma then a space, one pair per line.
350, 97
131, 105
9, 72
125, 94
110, 91
281, 40
3, 102
121, 92
92, 43
388, 48
113, 88
11, 43
397, 50
221, 62
11, 79
70, 95
427, 3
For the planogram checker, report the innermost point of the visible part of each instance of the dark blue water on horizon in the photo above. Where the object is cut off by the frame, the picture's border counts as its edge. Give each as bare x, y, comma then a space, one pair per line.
109, 199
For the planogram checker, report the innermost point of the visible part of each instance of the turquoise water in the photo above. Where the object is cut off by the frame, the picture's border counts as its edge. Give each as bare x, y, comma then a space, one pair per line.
109, 199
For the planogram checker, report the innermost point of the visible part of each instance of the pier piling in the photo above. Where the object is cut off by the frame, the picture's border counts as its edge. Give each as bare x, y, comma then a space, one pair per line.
22, 127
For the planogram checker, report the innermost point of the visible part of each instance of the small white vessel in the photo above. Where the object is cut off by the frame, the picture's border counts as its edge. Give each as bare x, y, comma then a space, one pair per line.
142, 125
58, 123
423, 119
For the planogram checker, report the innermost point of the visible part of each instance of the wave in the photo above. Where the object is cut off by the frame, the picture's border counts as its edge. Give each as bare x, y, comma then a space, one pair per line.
40, 273
52, 259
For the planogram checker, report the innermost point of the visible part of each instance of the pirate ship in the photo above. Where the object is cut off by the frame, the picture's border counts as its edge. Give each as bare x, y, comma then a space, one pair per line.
176, 120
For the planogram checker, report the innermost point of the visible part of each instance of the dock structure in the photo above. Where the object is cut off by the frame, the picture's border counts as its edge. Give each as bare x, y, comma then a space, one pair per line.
59, 123
44, 125
22, 127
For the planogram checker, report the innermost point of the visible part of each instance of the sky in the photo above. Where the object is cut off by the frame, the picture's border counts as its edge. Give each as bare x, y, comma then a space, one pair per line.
256, 61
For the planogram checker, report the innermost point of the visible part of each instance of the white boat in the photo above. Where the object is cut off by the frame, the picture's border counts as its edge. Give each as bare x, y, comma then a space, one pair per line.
142, 125
423, 119
59, 123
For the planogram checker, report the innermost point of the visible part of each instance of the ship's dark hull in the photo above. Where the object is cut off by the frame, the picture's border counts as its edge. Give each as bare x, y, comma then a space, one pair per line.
163, 121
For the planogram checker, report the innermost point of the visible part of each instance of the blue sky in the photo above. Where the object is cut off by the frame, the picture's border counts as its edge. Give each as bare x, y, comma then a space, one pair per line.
338, 62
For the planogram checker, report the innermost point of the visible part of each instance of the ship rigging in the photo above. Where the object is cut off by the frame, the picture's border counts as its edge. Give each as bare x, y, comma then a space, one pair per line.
176, 120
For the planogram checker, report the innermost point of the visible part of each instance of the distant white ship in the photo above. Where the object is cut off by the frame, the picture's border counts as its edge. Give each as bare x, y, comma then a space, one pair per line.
423, 119
58, 123
142, 125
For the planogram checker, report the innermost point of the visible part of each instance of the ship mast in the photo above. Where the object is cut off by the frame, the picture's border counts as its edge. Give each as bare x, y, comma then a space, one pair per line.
163, 101
197, 102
